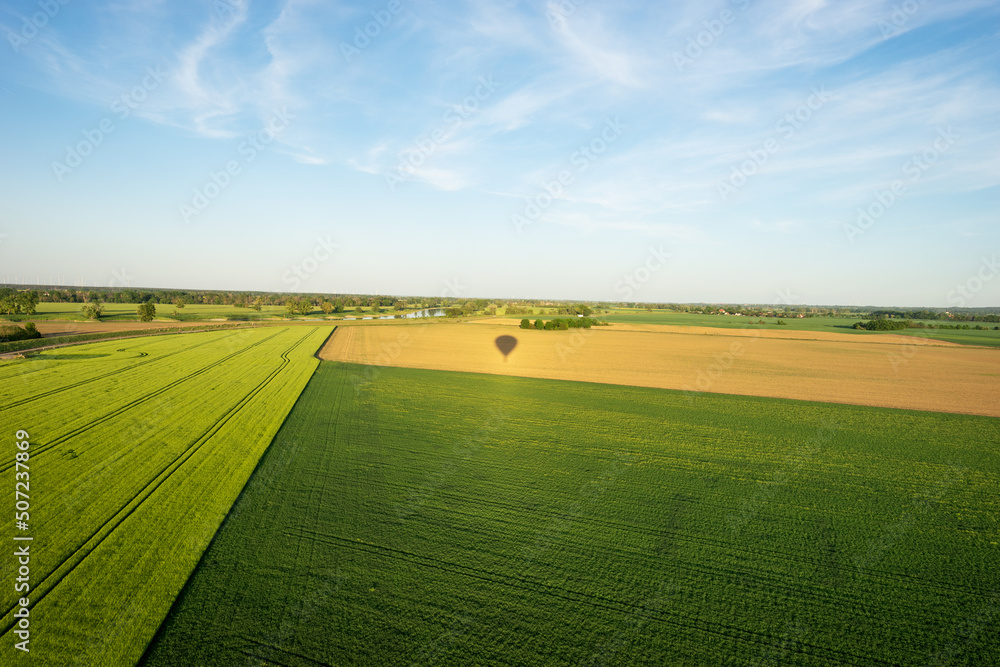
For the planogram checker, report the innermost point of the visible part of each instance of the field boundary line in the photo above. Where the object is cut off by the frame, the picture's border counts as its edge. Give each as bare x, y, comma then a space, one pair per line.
676, 390
323, 344
229, 513
119, 517
16, 354
62, 439
35, 397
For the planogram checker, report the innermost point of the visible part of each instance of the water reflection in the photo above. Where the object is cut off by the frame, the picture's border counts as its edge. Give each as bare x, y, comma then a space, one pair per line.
426, 312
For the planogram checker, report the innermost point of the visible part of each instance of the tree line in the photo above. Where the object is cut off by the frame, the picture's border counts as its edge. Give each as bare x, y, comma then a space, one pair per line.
561, 324
13, 332
934, 315
17, 303
883, 324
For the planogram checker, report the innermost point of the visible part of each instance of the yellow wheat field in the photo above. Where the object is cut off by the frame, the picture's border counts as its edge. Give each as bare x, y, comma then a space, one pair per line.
901, 374
750, 332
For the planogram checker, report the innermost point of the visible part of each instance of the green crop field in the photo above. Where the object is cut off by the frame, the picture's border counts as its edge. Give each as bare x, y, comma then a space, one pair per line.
832, 324
843, 325
138, 449
125, 312
423, 517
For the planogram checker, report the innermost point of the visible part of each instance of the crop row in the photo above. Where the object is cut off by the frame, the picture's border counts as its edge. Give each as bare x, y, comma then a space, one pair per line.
447, 518
137, 464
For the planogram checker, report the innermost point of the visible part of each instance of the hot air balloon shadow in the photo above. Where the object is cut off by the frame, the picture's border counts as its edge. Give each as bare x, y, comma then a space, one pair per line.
506, 345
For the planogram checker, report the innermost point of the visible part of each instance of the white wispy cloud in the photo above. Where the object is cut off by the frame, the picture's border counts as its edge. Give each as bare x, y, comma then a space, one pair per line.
593, 47
560, 74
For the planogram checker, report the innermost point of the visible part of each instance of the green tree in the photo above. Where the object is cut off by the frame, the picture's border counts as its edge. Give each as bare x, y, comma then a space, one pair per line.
93, 310
12, 303
13, 332
146, 311
28, 301
8, 301
526, 323
539, 324
327, 307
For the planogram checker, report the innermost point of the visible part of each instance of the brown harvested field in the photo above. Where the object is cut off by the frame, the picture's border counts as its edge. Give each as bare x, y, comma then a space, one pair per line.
883, 338
899, 375
50, 328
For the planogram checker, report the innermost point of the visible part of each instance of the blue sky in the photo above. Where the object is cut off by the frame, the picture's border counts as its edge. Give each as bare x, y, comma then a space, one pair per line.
682, 151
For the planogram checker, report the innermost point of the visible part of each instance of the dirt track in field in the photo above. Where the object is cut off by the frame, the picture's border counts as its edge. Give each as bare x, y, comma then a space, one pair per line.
909, 373
52, 328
